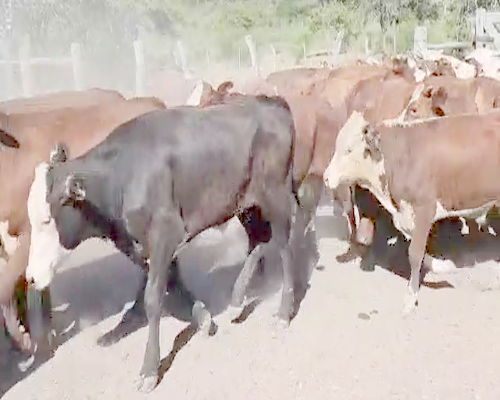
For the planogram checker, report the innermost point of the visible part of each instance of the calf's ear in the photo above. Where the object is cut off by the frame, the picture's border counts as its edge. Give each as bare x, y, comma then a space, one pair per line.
58, 154
74, 190
438, 111
8, 140
224, 87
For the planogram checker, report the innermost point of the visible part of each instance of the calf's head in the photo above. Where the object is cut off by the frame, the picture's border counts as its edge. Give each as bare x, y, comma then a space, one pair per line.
358, 157
54, 209
430, 103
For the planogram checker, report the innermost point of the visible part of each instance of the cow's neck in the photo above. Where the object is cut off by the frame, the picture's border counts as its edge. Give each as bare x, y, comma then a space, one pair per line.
382, 188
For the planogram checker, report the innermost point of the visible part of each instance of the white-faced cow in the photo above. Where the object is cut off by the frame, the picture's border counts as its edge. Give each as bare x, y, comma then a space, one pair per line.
422, 172
159, 180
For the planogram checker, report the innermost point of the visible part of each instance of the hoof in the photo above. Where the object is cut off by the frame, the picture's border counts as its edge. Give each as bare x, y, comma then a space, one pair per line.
280, 324
146, 384
346, 257
107, 340
367, 266
23, 366
202, 318
409, 308
235, 312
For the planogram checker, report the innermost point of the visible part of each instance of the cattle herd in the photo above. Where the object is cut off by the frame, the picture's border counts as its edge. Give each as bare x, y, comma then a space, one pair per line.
415, 137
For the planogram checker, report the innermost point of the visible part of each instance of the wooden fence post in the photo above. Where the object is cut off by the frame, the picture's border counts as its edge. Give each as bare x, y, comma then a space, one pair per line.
76, 61
394, 37
25, 67
139, 68
182, 56
337, 44
275, 57
253, 53
480, 31
8, 73
209, 62
420, 40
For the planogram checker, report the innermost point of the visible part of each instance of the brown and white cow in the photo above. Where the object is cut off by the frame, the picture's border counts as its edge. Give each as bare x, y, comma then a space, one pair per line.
81, 129
422, 172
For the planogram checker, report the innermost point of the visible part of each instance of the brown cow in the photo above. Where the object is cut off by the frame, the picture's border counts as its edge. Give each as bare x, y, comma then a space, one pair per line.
449, 96
54, 101
81, 129
296, 80
422, 172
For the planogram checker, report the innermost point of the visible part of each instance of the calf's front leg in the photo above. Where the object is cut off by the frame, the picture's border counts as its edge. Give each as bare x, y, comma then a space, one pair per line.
416, 252
166, 234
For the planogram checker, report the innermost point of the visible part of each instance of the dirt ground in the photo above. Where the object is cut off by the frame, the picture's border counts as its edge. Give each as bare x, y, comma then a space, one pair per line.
348, 341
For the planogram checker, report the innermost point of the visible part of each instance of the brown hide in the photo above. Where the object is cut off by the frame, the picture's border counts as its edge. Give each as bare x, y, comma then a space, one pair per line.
296, 80
440, 160
54, 101
382, 97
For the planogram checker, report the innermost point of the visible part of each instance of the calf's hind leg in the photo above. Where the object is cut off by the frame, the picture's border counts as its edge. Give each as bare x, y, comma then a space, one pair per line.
309, 195
276, 208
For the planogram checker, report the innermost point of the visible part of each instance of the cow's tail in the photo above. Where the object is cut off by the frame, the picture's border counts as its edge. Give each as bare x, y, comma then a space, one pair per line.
295, 182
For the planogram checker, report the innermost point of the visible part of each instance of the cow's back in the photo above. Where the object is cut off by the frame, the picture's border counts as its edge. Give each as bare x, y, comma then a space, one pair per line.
54, 101
450, 150
293, 81
203, 156
39, 133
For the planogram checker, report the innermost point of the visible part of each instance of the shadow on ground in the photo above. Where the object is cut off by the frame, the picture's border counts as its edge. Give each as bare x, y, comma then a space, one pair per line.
94, 290
445, 242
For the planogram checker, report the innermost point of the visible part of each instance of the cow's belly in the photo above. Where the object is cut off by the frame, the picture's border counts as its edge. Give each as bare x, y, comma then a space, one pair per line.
404, 219
471, 213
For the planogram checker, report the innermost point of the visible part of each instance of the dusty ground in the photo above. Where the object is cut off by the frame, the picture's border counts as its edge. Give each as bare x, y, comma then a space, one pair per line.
348, 341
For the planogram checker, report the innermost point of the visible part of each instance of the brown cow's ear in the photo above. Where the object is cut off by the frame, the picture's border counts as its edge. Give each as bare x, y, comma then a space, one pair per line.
438, 111
74, 190
58, 154
224, 87
8, 140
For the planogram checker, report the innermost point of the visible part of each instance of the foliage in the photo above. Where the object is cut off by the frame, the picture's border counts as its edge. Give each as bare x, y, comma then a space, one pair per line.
215, 29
